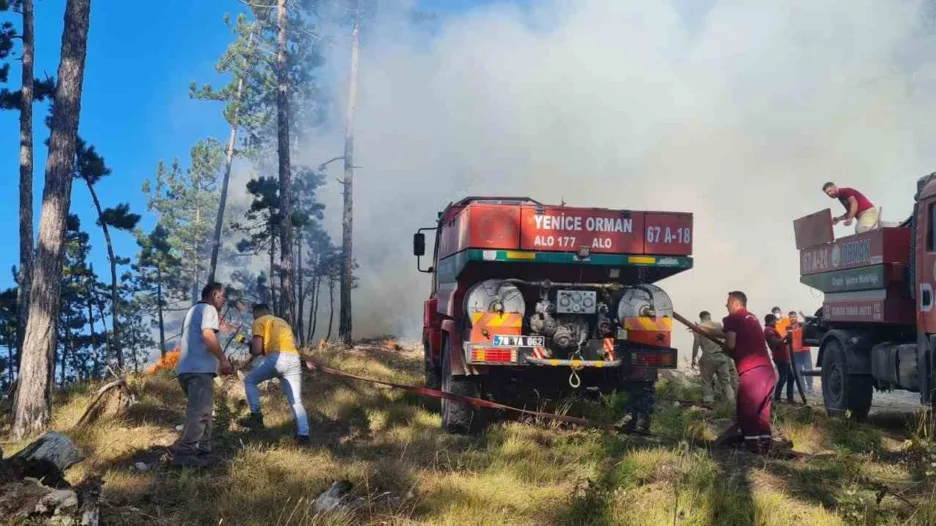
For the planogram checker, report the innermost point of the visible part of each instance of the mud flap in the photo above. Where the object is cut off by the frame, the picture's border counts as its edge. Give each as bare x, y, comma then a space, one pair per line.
926, 366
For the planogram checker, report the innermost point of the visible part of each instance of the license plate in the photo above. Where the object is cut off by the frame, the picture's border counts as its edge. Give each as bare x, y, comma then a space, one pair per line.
519, 341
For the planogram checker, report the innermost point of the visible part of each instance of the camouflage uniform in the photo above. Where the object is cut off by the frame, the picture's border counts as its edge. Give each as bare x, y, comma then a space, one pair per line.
719, 374
640, 386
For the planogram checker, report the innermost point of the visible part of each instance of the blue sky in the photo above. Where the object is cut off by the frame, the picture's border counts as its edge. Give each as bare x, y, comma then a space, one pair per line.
135, 105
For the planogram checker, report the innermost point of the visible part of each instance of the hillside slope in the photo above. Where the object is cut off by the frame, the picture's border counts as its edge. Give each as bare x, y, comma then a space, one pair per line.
406, 471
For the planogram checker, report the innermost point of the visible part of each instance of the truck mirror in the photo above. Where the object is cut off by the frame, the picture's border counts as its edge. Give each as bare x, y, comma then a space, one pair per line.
419, 244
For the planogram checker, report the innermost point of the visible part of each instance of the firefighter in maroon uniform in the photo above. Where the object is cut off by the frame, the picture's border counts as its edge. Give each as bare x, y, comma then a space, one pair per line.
745, 343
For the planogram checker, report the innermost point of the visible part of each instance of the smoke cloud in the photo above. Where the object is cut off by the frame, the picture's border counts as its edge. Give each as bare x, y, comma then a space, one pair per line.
738, 114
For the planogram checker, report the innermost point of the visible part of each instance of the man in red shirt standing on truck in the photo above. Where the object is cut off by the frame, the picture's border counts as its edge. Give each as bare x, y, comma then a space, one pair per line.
857, 206
745, 343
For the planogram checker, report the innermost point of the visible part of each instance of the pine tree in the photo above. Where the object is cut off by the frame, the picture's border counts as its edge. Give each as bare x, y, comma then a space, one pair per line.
186, 203
157, 270
252, 95
73, 349
22, 100
347, 217
138, 338
31, 408
8, 325
91, 168
262, 227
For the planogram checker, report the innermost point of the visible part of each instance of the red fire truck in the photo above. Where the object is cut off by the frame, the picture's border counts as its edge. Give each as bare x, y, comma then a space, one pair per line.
521, 291
877, 325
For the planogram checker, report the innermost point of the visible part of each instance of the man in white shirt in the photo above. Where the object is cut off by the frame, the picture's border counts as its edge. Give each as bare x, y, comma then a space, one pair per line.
200, 359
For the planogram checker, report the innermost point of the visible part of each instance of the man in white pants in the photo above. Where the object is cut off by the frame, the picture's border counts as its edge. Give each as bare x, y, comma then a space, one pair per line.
273, 337
858, 208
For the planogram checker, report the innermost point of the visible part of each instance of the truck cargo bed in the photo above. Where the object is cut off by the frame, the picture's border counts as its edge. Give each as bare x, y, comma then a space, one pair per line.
863, 276
881, 246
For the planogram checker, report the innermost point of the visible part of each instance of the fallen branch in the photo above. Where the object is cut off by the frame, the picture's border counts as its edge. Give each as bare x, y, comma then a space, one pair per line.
121, 383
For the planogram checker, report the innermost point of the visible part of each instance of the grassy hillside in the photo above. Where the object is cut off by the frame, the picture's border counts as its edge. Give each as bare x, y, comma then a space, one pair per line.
406, 471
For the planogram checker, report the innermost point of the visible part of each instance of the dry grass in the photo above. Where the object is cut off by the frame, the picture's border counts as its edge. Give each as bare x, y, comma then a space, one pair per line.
406, 471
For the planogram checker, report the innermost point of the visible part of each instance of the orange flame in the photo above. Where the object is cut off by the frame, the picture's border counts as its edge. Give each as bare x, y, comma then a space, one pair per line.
166, 363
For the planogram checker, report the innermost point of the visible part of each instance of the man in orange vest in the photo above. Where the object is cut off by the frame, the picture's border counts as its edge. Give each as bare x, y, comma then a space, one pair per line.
782, 323
802, 355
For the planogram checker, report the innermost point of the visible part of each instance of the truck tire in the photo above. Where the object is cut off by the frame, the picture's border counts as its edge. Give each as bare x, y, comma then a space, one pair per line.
458, 418
432, 372
843, 392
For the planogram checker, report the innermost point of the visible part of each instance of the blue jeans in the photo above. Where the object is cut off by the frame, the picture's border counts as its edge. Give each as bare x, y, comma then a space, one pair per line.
288, 368
803, 362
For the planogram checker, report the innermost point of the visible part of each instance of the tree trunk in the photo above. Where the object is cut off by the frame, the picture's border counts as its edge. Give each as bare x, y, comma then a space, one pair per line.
100, 306
308, 336
347, 256
31, 411
228, 160
107, 353
315, 307
285, 175
61, 359
26, 177
273, 304
112, 259
159, 313
11, 348
94, 343
331, 305
299, 295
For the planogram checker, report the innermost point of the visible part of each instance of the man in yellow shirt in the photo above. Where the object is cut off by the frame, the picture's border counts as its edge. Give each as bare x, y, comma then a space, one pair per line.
273, 338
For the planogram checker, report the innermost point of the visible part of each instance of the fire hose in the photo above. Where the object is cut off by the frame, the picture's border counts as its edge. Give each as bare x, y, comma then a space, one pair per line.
478, 402
701, 332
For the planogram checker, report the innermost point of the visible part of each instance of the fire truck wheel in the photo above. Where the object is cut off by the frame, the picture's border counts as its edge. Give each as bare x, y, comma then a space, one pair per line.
457, 418
842, 392
433, 374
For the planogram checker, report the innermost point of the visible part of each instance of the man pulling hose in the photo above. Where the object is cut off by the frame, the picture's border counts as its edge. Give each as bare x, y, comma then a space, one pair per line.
273, 338
745, 343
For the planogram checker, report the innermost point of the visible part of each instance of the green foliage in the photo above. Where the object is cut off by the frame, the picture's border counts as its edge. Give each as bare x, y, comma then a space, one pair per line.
119, 217
223, 417
136, 337
185, 203
8, 36
89, 165
8, 321
251, 58
79, 354
158, 273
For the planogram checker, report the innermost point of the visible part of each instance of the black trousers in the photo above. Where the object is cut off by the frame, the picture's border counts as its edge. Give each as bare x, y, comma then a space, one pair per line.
786, 377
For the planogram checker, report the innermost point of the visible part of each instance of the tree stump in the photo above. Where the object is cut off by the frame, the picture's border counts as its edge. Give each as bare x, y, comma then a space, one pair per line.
33, 485
46, 459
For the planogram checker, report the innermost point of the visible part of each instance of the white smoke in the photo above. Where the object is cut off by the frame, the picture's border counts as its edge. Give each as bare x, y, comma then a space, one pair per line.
738, 117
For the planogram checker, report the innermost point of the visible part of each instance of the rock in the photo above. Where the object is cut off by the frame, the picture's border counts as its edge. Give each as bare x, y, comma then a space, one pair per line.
331, 498
58, 502
179, 428
142, 466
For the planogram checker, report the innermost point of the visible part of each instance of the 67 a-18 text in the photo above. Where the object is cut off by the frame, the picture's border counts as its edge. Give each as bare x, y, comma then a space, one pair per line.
667, 235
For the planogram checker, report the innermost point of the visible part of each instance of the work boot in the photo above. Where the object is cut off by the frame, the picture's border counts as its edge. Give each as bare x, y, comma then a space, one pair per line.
759, 446
254, 421
303, 440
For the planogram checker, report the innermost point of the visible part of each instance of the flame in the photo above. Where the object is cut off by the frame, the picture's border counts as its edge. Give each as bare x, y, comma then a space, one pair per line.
166, 363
